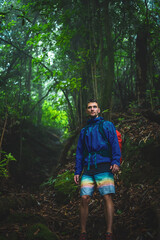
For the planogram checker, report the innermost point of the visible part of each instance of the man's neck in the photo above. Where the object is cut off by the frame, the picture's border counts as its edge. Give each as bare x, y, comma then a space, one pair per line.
94, 117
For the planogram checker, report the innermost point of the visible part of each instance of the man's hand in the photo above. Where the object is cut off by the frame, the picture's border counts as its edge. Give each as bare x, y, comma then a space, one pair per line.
114, 168
76, 179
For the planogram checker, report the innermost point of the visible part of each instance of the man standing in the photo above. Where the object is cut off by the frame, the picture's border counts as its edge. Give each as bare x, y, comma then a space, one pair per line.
98, 155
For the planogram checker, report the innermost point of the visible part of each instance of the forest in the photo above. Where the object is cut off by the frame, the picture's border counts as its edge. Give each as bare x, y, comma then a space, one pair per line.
55, 56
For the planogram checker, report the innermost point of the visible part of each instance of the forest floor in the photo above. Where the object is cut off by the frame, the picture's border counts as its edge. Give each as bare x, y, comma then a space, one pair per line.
135, 218
137, 204
135, 214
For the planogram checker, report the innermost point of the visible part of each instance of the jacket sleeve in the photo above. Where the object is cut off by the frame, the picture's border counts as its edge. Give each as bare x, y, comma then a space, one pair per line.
79, 155
113, 140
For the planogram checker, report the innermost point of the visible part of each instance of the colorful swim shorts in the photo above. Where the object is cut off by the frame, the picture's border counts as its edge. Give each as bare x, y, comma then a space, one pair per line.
104, 182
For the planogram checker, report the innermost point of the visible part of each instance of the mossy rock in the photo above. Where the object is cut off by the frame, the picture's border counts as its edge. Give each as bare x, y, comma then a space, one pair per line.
65, 187
40, 232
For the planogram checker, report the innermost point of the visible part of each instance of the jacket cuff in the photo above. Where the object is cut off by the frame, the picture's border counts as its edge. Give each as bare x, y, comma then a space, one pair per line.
115, 162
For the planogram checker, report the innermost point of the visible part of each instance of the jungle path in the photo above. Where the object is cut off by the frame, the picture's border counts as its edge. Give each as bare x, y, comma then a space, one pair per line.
137, 198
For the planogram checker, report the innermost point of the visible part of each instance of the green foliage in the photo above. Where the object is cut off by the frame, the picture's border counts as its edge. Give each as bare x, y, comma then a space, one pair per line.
4, 163
49, 182
72, 84
65, 187
54, 118
121, 119
132, 108
132, 105
40, 231
119, 212
106, 110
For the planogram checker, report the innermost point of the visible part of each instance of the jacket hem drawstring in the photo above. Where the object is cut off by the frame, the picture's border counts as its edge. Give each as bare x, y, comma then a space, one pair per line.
89, 159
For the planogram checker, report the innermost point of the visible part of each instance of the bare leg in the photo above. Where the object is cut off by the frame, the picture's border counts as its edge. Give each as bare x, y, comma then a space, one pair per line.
84, 211
108, 211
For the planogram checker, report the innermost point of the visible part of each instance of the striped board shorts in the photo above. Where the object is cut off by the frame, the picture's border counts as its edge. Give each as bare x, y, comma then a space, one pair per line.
103, 180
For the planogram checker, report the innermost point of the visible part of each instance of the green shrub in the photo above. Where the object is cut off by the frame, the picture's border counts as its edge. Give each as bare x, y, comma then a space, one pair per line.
4, 163
64, 186
49, 182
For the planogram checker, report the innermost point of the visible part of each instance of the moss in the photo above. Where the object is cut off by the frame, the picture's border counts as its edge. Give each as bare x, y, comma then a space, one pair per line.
40, 232
65, 187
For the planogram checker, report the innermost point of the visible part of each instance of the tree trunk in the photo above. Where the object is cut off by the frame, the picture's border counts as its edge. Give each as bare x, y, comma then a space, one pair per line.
39, 113
71, 113
29, 77
109, 64
141, 64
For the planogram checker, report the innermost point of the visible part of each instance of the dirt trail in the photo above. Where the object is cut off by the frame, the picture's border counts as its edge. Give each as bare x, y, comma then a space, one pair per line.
136, 213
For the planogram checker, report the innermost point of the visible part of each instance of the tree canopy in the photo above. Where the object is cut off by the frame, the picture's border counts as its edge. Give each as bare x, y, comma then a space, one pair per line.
67, 52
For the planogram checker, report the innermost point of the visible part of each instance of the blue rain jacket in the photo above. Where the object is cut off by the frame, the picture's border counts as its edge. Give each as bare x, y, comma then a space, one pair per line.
95, 144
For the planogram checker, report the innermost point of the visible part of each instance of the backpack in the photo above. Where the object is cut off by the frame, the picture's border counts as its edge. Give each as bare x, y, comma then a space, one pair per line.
120, 142
102, 132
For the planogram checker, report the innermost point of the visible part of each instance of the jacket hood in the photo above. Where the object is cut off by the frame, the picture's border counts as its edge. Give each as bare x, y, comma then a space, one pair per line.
94, 120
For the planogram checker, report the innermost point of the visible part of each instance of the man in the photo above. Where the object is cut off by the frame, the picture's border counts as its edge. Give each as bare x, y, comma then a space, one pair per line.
99, 159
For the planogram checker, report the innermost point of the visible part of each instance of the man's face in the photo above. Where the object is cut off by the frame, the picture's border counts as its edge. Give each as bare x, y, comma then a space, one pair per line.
92, 109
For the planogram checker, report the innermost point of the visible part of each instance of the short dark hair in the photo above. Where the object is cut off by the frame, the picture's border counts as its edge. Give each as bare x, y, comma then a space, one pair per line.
92, 100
